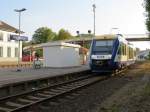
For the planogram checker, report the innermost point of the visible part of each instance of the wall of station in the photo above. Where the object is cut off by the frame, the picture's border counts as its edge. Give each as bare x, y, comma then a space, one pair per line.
8, 48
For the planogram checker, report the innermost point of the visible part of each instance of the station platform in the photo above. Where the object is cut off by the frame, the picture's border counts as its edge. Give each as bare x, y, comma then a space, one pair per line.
10, 75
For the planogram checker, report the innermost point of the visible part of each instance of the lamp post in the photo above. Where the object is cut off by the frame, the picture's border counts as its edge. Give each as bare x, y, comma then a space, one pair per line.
19, 12
94, 7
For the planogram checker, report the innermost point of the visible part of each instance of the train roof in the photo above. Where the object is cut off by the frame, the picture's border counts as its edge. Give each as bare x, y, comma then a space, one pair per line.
112, 37
108, 36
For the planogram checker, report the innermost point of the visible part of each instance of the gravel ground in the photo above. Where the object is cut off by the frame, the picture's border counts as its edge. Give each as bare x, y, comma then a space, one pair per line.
88, 99
129, 93
133, 97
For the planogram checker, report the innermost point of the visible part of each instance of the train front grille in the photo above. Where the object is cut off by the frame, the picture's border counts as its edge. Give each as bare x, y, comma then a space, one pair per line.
100, 62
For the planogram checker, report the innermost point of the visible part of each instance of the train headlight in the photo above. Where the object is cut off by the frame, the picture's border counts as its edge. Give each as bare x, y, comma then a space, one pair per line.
93, 56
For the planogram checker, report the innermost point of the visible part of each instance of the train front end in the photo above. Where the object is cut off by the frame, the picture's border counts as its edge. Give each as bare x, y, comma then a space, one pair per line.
101, 56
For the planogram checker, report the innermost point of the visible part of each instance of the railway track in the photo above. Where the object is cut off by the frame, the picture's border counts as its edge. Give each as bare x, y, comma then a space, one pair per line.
26, 100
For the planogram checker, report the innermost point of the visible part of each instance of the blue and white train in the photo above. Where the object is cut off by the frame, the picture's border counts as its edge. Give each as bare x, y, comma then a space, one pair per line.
110, 53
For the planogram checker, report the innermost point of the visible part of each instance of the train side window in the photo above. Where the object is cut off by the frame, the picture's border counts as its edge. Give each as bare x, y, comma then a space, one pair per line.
125, 49
129, 53
134, 52
119, 50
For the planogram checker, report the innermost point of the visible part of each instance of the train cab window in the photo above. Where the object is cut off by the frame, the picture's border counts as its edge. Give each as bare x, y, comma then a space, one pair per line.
103, 46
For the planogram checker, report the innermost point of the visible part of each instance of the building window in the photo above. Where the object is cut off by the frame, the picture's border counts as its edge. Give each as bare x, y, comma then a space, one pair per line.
16, 52
1, 51
8, 37
1, 36
8, 52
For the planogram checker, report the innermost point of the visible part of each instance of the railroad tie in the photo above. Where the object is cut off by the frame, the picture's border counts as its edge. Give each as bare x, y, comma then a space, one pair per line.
45, 95
34, 98
62, 100
43, 107
62, 89
67, 87
54, 103
75, 94
13, 104
25, 100
5, 109
52, 93
70, 97
55, 90
46, 92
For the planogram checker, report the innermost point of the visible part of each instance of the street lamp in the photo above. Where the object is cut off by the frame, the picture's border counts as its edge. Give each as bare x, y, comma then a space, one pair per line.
19, 12
94, 7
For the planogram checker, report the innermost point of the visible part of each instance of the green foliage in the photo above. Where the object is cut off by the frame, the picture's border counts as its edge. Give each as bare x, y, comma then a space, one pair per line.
42, 35
24, 44
62, 35
147, 89
39, 52
87, 45
147, 8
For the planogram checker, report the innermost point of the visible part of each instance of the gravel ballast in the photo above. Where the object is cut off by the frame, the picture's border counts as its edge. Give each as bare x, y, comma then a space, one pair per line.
125, 93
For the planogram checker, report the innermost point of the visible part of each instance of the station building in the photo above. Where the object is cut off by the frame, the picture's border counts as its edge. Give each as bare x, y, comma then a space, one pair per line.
8, 48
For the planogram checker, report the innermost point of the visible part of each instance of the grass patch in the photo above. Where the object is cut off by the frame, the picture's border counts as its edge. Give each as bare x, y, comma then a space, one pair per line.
114, 108
147, 89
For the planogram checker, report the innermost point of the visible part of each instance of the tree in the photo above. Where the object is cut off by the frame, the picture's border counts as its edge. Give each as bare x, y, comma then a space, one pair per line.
147, 8
43, 35
62, 35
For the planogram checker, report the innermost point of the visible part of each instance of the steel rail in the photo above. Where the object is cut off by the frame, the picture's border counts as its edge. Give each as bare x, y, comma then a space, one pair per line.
25, 100
8, 104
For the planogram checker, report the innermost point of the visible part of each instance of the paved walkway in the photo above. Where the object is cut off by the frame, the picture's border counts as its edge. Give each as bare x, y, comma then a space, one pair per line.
11, 76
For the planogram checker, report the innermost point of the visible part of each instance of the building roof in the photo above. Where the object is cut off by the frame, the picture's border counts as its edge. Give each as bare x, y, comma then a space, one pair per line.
59, 43
54, 43
5, 27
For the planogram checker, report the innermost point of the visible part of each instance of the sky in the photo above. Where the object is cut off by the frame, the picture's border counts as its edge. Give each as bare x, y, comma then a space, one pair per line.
76, 15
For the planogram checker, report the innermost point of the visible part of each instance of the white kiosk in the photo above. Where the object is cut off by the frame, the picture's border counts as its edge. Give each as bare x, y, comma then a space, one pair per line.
60, 54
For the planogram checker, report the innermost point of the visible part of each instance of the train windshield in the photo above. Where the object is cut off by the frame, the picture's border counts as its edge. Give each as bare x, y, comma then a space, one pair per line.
103, 47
